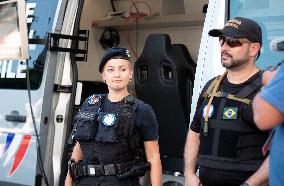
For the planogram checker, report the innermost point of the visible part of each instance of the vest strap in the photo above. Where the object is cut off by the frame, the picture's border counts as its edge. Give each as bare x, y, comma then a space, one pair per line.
230, 96
211, 86
216, 86
244, 100
255, 85
250, 165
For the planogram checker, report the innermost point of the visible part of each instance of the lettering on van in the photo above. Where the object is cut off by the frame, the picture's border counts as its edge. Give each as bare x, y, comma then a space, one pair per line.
13, 69
30, 9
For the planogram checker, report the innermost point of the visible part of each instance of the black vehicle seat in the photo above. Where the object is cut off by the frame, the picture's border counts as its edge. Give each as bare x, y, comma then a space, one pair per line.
164, 75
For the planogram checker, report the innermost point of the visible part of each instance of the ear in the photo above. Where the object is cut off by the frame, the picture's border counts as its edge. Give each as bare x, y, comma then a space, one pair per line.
131, 74
103, 76
131, 67
255, 47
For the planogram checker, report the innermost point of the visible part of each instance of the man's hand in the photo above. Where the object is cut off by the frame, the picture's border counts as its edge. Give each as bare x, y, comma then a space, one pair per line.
192, 180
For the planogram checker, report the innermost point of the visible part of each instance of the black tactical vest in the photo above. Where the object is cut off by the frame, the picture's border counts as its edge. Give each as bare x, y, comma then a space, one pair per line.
97, 133
232, 143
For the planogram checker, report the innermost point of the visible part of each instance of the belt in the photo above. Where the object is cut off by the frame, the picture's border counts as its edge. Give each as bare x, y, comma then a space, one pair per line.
102, 170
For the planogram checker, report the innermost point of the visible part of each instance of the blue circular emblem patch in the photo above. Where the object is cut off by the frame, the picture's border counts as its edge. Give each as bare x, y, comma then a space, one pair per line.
211, 110
108, 119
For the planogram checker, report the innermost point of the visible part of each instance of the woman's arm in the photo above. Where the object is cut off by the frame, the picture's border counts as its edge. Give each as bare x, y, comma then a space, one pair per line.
153, 156
76, 155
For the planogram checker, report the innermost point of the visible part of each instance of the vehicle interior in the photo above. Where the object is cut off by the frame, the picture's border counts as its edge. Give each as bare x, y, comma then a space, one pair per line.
163, 38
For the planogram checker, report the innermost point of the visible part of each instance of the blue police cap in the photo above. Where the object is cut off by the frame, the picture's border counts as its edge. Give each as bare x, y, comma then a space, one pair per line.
114, 52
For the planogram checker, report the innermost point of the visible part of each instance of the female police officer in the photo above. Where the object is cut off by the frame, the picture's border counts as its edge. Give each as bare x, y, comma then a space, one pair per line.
110, 129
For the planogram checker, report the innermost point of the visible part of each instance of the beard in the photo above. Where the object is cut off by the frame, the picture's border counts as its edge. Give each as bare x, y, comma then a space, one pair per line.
234, 63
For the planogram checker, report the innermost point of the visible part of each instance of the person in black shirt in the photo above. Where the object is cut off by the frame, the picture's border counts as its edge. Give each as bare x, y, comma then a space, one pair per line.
116, 134
223, 141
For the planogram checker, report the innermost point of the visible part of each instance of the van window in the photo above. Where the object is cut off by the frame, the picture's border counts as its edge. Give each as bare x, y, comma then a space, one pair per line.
270, 15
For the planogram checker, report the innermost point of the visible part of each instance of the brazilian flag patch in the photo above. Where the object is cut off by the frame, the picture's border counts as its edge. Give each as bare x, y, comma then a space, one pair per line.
230, 113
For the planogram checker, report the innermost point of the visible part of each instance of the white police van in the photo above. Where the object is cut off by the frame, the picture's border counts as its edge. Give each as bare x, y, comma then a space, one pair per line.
40, 90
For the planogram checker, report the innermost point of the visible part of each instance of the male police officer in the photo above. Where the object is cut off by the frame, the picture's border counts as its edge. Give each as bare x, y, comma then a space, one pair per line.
223, 139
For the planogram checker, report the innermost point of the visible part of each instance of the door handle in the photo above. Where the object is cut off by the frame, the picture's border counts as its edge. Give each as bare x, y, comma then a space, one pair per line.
15, 117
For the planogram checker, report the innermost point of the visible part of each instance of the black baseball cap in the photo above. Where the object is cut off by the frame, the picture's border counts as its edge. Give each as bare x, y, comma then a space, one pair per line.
114, 53
241, 28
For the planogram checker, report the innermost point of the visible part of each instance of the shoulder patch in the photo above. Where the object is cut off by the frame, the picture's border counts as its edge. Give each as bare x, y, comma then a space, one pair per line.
93, 99
210, 113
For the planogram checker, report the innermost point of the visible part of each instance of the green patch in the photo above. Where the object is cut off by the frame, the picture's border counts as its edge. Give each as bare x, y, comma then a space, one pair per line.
230, 113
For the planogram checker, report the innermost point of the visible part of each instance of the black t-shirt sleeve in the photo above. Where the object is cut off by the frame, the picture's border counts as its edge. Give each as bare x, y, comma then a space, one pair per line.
146, 122
195, 124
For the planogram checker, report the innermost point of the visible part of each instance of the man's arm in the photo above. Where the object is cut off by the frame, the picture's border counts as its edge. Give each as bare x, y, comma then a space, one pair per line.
260, 177
190, 158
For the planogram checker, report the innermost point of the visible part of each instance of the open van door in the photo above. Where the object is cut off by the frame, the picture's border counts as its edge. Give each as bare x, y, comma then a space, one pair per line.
35, 94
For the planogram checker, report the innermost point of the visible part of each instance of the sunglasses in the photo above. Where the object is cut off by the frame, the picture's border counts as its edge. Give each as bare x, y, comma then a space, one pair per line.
231, 41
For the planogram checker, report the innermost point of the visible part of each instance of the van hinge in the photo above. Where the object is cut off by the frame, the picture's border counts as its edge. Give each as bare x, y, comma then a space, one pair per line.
62, 88
53, 39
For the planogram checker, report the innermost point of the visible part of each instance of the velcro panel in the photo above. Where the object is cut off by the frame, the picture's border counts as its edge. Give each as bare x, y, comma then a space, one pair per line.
251, 141
250, 153
207, 142
228, 143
